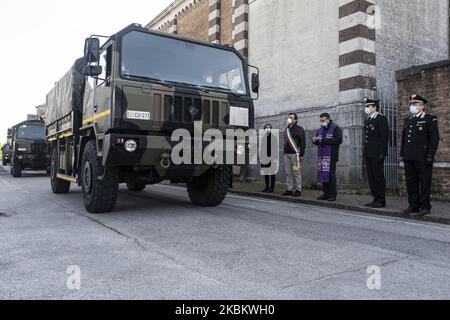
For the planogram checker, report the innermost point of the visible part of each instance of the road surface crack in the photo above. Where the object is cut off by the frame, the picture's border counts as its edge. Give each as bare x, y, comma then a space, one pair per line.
140, 245
331, 275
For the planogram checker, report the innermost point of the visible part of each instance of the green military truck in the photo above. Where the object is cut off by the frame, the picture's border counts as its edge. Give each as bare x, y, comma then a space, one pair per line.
28, 148
109, 120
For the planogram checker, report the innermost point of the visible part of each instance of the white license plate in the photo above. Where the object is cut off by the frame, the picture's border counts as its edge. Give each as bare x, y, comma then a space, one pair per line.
139, 115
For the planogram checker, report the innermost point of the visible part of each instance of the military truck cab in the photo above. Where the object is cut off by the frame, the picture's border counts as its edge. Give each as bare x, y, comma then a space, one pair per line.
28, 147
111, 118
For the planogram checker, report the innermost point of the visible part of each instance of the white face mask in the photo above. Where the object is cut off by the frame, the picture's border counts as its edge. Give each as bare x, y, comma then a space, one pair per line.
414, 109
324, 124
289, 121
268, 130
368, 110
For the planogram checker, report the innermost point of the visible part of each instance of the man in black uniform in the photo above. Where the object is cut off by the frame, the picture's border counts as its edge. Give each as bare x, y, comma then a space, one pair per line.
420, 141
376, 134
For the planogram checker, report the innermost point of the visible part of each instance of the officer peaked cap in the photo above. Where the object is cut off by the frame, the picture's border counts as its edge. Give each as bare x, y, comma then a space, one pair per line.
417, 98
368, 101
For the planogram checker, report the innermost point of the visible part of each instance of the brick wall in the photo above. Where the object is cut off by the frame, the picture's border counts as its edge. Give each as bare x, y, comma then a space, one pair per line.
194, 23
206, 20
433, 82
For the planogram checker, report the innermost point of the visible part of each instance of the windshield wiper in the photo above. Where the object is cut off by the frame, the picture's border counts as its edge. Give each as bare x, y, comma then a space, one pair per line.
223, 89
159, 81
188, 85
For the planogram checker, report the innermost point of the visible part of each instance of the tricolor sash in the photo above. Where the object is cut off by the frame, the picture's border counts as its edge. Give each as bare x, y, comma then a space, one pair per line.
293, 144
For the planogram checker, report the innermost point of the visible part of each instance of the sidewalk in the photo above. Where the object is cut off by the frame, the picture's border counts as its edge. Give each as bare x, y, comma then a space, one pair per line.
394, 207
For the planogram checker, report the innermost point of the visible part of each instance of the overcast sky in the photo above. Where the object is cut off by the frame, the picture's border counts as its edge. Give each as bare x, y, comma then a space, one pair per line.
42, 39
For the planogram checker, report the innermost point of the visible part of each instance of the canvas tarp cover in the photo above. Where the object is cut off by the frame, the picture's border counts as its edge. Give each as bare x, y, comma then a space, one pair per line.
67, 95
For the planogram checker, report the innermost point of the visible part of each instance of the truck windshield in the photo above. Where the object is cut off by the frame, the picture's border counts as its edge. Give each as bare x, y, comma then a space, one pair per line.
31, 132
171, 60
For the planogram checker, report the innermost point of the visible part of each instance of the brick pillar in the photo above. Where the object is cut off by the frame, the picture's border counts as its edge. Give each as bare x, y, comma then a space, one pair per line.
214, 21
357, 60
240, 26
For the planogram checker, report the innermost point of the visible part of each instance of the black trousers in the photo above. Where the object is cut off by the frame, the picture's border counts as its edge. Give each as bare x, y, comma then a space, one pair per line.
270, 182
418, 177
377, 180
330, 189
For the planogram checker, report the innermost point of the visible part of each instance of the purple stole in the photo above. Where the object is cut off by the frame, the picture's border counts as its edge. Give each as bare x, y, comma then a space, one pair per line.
324, 155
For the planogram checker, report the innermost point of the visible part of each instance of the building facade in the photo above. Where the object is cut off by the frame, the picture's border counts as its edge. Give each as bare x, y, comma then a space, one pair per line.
321, 56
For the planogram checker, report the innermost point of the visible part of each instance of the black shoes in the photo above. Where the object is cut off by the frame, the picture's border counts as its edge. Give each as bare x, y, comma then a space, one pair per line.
324, 197
376, 205
266, 190
297, 194
420, 213
411, 210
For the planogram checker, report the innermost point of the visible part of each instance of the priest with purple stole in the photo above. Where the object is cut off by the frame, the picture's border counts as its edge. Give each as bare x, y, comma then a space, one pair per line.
328, 140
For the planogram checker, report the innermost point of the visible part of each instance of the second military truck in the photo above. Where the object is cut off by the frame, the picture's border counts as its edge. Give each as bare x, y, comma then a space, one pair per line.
27, 147
110, 119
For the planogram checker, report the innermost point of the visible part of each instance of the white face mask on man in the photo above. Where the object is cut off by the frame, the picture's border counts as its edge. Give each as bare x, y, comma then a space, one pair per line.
414, 109
368, 111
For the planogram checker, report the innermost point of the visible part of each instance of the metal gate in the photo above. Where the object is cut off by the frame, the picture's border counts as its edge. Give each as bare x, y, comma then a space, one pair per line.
389, 108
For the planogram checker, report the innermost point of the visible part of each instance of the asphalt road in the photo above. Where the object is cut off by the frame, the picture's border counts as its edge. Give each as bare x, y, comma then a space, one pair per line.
157, 245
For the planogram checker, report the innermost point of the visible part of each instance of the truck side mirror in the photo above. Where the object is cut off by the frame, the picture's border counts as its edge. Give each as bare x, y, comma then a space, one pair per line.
92, 71
92, 50
255, 83
9, 134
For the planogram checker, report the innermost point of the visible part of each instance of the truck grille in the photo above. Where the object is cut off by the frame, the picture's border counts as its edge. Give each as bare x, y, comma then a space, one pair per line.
187, 109
38, 147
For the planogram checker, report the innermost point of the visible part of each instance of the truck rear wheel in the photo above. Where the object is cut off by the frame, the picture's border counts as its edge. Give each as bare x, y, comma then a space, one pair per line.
16, 170
58, 186
136, 185
99, 196
211, 188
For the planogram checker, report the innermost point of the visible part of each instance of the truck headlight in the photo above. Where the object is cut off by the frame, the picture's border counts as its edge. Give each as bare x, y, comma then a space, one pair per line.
130, 145
22, 149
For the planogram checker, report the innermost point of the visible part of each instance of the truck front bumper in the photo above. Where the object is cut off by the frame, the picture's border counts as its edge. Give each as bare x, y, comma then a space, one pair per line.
32, 161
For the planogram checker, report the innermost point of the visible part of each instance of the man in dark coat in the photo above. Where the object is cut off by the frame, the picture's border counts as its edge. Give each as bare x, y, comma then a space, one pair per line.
328, 139
420, 141
376, 133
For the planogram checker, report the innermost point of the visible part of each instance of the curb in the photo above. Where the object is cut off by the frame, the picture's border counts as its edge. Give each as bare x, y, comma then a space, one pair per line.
333, 205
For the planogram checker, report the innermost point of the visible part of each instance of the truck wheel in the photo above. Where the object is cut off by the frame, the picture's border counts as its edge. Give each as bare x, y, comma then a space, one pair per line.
4, 162
58, 186
136, 185
211, 188
99, 196
16, 171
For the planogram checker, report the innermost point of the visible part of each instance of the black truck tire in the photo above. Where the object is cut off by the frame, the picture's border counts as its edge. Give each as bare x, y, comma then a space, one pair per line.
4, 162
58, 186
136, 185
16, 170
211, 188
99, 196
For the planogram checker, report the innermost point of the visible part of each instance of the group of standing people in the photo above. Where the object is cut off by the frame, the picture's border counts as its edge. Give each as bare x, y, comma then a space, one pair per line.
420, 140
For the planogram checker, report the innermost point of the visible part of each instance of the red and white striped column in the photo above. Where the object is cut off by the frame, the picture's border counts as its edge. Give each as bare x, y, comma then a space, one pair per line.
240, 26
173, 26
214, 21
357, 59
